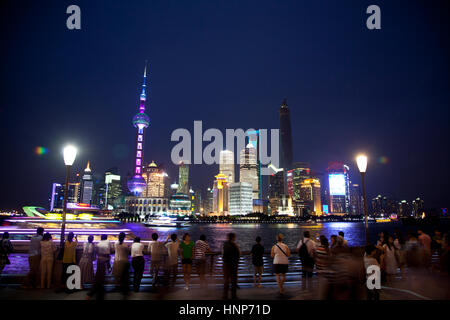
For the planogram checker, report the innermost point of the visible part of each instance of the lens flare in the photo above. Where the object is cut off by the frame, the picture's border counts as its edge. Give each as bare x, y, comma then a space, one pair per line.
383, 160
40, 150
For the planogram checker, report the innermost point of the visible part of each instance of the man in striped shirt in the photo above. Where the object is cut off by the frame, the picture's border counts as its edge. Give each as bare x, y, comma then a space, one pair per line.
200, 249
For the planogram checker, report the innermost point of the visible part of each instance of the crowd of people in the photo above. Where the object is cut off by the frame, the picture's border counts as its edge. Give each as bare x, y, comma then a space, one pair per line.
339, 271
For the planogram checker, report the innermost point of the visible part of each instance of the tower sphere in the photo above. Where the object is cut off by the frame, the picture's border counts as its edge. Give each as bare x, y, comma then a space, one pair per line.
141, 119
136, 184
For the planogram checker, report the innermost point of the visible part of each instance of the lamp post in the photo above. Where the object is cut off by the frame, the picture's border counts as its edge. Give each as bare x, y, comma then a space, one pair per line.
69, 152
361, 161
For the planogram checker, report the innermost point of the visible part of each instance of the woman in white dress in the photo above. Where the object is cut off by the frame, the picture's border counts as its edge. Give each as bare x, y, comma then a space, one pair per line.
280, 254
389, 260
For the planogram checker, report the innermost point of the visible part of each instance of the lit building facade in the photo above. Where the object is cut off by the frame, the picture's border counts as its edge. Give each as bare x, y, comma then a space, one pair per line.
356, 200
208, 202
248, 168
57, 197
226, 164
180, 204
87, 186
220, 195
141, 121
310, 193
183, 178
276, 190
157, 182
113, 189
339, 188
143, 206
295, 177
418, 207
241, 198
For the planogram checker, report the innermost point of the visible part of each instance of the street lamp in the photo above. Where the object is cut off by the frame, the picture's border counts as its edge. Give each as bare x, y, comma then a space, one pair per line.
70, 153
361, 161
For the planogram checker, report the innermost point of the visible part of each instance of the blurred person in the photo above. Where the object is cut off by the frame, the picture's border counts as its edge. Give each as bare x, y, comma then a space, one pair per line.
389, 262
437, 242
306, 250
155, 248
333, 241
5, 249
341, 235
200, 249
137, 262
425, 242
400, 251
257, 261
121, 264
34, 259
187, 251
103, 266
230, 258
322, 257
413, 251
87, 261
369, 259
69, 257
172, 258
280, 254
48, 249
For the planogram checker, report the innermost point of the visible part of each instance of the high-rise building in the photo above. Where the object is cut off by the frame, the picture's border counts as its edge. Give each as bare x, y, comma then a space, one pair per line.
208, 202
87, 186
404, 209
356, 200
220, 195
113, 189
276, 189
248, 168
310, 193
254, 139
241, 198
141, 121
418, 207
286, 153
226, 164
299, 172
183, 178
57, 197
339, 187
157, 182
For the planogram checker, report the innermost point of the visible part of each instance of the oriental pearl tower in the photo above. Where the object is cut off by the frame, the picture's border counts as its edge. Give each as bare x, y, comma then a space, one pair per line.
141, 121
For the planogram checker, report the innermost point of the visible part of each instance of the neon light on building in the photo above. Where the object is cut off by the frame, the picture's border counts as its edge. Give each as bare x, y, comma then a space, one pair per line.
141, 121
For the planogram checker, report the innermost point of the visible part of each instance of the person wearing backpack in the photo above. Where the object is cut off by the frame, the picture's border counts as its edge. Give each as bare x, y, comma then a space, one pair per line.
306, 249
280, 254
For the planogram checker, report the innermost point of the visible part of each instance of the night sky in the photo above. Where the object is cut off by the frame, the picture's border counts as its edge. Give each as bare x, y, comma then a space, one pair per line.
229, 64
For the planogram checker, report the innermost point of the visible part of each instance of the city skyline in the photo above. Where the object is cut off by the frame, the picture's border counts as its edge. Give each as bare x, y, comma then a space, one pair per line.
87, 101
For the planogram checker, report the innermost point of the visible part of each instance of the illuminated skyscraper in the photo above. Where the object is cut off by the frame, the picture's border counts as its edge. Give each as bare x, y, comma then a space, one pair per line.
299, 172
248, 168
226, 164
57, 198
241, 198
356, 200
87, 186
276, 188
339, 187
141, 121
183, 178
310, 193
220, 195
157, 182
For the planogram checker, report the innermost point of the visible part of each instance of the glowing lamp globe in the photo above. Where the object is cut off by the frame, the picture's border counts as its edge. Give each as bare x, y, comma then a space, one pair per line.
361, 161
70, 153
136, 185
141, 120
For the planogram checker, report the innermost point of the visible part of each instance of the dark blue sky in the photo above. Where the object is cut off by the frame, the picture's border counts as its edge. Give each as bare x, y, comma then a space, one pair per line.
230, 64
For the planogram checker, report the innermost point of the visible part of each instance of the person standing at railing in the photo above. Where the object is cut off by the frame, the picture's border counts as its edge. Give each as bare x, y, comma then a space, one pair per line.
200, 249
258, 262
231, 254
5, 249
34, 259
187, 251
306, 250
172, 258
137, 262
87, 261
280, 253
121, 266
48, 249
155, 248
103, 266
69, 257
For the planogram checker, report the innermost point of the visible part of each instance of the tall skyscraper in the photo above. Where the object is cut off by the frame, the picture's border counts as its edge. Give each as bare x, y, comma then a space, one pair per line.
141, 121
248, 168
208, 202
356, 200
220, 195
276, 189
286, 153
113, 188
299, 172
57, 198
226, 164
241, 198
254, 139
87, 186
183, 178
157, 182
